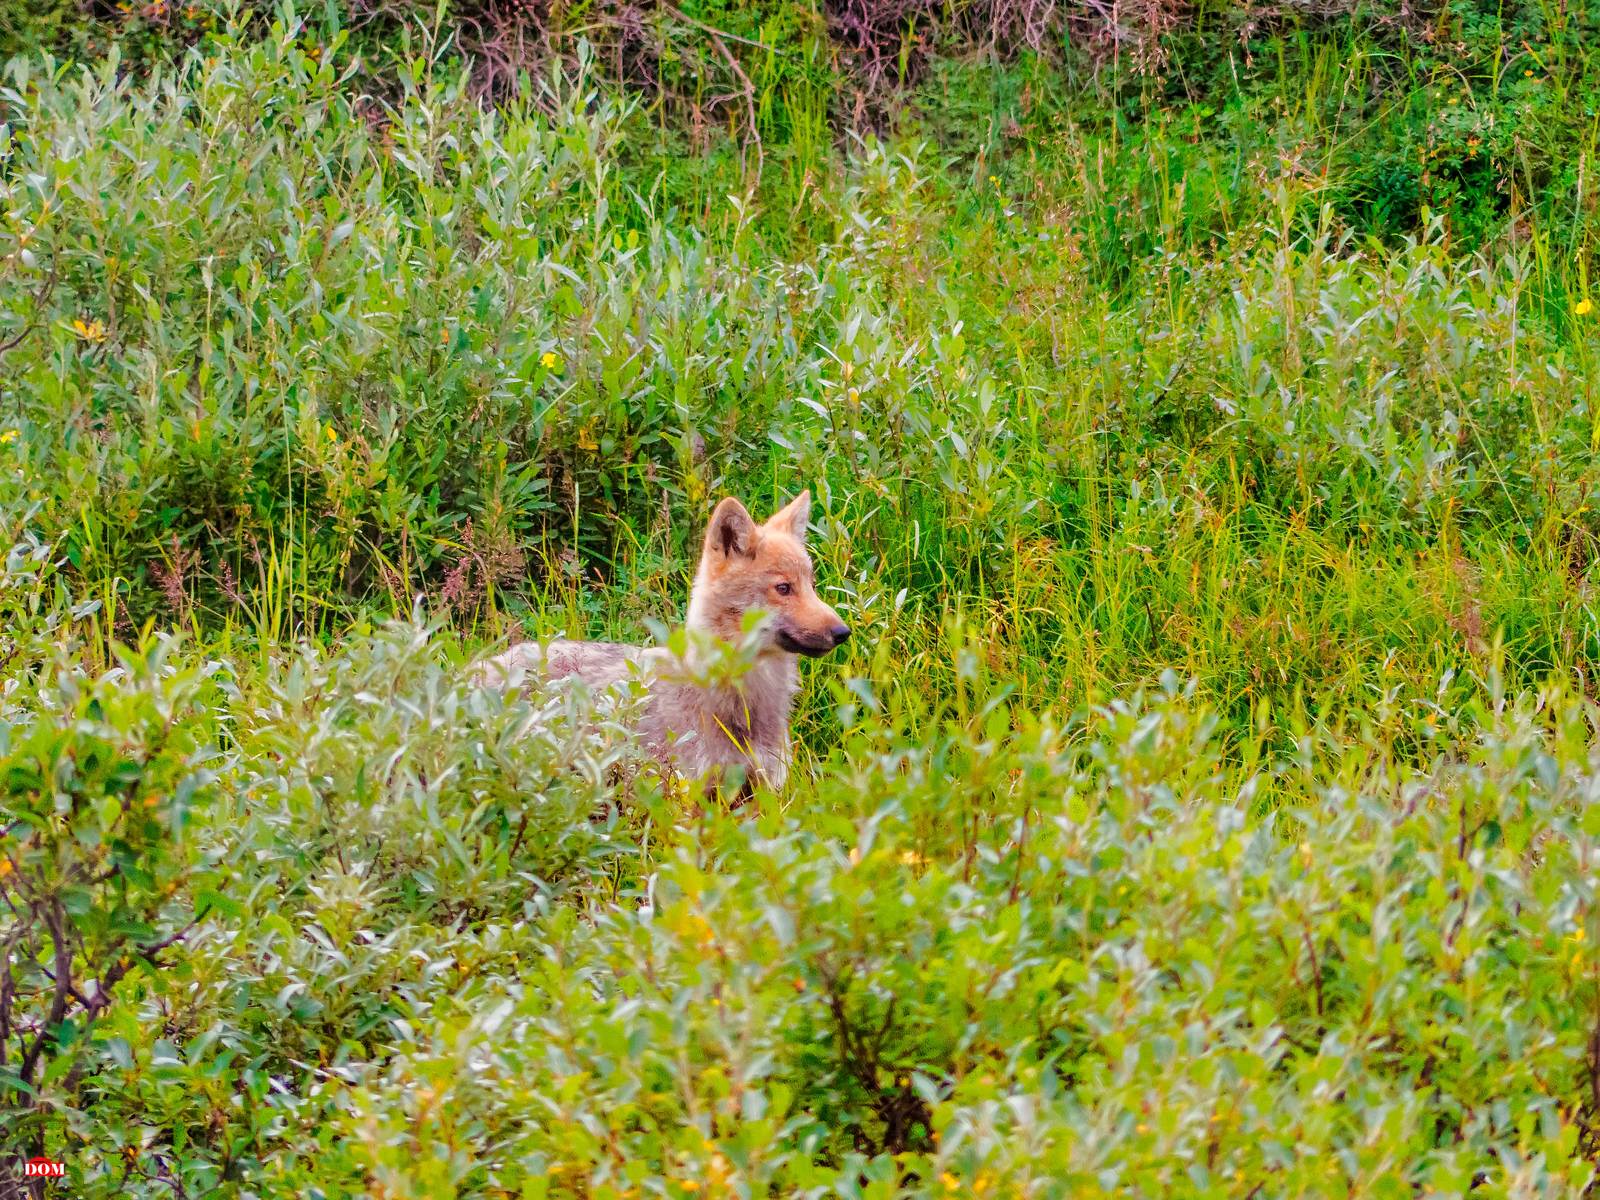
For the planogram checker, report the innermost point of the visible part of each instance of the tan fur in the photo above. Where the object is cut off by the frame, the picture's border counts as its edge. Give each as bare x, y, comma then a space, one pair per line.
698, 713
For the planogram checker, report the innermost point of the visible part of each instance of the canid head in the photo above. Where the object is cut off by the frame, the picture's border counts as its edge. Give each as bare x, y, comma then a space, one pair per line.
745, 566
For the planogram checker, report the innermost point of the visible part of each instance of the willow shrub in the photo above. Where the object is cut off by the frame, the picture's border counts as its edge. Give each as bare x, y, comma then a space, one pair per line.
287, 355
350, 925
291, 910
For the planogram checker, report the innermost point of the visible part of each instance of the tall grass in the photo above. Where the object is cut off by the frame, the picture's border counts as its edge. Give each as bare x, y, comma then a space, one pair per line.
335, 366
1203, 807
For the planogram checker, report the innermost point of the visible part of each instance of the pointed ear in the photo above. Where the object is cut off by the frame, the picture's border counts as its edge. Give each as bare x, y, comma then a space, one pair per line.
732, 530
793, 517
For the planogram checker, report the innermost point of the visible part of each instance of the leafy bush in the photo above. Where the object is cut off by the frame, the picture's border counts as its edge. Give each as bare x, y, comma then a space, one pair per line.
1013, 958
289, 894
1204, 806
462, 356
102, 780
1118, 977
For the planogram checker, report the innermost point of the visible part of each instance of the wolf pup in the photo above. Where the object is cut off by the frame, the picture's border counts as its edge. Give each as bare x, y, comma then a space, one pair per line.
700, 726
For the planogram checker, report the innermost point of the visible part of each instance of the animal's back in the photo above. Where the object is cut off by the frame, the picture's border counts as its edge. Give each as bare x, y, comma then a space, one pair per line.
598, 664
698, 726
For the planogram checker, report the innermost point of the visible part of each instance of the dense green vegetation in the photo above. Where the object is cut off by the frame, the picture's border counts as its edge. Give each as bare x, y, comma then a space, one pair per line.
1204, 449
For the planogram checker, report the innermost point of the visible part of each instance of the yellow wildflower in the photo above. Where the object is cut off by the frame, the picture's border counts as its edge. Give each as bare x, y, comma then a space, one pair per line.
330, 433
8, 437
1583, 307
549, 361
91, 331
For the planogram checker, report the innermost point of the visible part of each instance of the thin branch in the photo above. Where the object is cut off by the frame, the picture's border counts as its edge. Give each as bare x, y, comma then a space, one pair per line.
723, 33
45, 291
733, 65
58, 1003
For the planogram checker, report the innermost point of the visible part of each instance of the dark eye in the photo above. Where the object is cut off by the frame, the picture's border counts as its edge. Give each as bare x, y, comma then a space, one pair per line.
783, 589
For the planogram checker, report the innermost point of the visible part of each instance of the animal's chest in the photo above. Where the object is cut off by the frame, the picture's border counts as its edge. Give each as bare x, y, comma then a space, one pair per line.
730, 724
763, 723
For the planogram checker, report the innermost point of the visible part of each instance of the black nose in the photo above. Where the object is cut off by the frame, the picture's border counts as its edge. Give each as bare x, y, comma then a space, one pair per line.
841, 634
